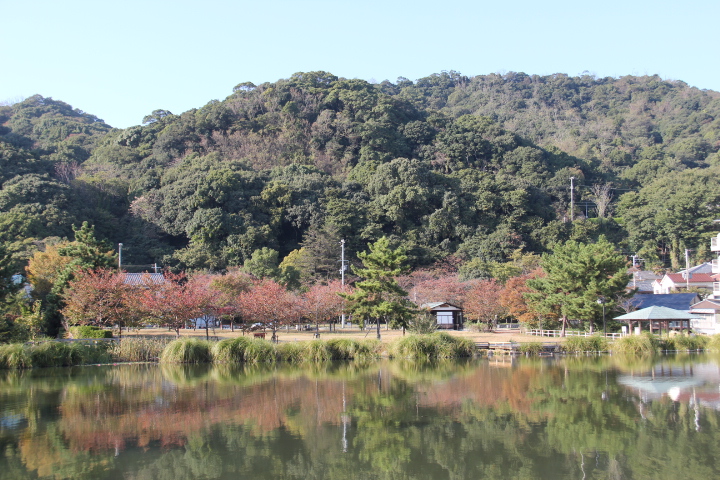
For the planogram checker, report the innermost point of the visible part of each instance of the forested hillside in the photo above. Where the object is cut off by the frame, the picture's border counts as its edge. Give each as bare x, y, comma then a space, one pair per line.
471, 167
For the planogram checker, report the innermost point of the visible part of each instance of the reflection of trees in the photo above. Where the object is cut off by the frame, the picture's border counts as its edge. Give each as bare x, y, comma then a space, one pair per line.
531, 419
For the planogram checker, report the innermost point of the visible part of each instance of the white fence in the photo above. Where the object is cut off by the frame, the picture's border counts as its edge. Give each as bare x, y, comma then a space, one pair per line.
568, 333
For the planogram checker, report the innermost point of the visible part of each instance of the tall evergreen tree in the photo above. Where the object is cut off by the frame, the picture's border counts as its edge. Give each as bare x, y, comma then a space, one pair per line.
379, 296
576, 276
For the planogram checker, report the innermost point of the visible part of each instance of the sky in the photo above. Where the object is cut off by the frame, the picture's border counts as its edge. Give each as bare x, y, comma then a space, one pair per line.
121, 60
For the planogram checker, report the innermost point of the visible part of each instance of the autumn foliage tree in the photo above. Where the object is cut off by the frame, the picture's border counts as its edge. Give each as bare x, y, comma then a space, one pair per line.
175, 301
99, 297
269, 304
482, 301
323, 302
512, 298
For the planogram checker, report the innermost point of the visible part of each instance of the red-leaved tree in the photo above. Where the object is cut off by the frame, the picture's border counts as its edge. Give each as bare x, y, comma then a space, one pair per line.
269, 304
174, 302
99, 297
482, 301
323, 302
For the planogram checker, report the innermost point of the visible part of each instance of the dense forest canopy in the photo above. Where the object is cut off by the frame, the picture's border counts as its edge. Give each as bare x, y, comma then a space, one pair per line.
448, 165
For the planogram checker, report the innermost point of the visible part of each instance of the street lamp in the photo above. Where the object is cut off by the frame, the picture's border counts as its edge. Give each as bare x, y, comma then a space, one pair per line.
602, 301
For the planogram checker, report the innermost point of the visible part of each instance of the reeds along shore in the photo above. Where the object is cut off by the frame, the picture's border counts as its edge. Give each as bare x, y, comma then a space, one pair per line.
257, 351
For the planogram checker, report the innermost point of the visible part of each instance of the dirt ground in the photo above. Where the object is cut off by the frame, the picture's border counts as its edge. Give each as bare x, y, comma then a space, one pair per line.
292, 334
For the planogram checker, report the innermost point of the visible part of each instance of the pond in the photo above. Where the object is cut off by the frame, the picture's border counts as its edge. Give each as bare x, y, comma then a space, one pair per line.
571, 417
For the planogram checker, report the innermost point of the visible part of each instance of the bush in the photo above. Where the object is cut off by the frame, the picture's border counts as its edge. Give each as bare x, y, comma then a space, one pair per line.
595, 343
423, 323
137, 349
186, 350
645, 344
89, 331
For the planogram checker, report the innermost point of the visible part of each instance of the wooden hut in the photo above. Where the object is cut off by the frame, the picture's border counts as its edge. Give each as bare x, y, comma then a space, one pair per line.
448, 316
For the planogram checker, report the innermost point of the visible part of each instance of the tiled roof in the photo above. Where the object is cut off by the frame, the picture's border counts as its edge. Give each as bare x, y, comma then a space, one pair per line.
678, 301
695, 278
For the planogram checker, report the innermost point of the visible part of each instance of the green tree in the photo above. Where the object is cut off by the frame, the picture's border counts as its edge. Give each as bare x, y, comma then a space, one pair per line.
379, 296
576, 276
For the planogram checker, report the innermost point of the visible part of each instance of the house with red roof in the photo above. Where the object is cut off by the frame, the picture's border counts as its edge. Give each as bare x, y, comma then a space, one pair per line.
672, 282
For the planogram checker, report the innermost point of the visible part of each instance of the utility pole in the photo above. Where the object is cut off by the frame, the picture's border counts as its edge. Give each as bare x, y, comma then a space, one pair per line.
343, 267
572, 199
120, 257
687, 269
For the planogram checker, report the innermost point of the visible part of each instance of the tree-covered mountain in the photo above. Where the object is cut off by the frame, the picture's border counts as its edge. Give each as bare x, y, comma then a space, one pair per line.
476, 167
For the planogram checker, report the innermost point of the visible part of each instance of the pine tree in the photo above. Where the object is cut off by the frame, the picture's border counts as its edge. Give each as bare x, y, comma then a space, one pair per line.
577, 275
379, 296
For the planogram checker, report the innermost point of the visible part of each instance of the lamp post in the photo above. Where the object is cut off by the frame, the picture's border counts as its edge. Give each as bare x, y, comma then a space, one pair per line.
602, 301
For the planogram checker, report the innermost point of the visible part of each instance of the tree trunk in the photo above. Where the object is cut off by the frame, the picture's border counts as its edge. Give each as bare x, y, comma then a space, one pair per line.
564, 325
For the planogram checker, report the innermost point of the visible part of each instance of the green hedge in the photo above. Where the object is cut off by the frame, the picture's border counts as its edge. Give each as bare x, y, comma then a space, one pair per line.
89, 331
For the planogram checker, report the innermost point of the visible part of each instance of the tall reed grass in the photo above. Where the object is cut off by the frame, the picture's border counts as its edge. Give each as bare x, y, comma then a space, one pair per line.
683, 343
186, 350
714, 343
645, 344
138, 349
595, 343
435, 345
51, 354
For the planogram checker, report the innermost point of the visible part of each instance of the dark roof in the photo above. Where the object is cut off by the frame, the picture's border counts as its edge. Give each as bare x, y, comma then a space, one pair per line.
440, 306
678, 301
144, 278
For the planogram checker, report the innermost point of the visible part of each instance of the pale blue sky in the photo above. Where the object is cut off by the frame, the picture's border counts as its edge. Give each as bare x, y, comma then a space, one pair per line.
122, 60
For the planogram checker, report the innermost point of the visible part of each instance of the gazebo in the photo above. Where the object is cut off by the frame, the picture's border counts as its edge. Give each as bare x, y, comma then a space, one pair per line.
660, 316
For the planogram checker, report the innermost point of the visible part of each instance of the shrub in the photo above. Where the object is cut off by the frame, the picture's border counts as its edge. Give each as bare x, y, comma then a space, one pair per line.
423, 323
636, 344
138, 349
186, 350
595, 343
89, 331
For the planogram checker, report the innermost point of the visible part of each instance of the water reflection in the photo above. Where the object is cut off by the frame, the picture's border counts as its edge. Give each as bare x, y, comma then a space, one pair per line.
575, 417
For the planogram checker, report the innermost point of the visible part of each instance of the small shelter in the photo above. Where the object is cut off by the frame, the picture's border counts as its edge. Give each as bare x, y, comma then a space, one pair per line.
448, 316
658, 317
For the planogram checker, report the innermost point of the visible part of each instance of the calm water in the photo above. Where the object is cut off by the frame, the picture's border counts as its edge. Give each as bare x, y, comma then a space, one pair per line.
573, 418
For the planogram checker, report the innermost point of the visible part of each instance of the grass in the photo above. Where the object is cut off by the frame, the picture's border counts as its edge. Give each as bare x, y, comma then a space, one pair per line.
186, 350
636, 345
683, 343
435, 345
714, 343
594, 344
51, 354
138, 349
530, 348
